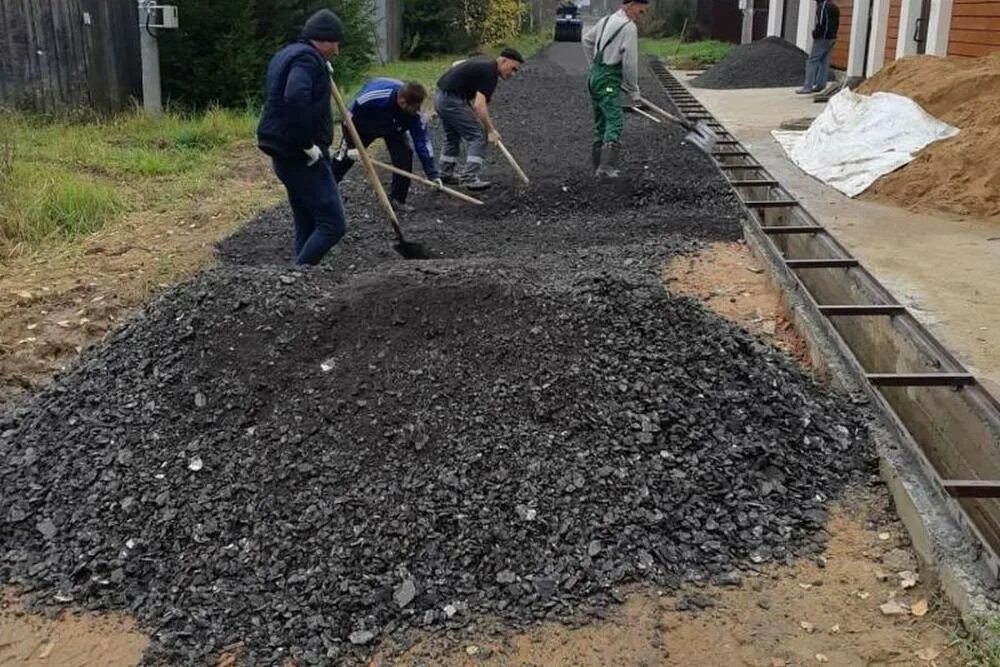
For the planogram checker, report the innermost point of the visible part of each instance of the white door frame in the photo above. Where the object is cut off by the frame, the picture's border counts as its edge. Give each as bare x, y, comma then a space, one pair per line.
939, 27
775, 16
859, 31
908, 15
803, 33
880, 33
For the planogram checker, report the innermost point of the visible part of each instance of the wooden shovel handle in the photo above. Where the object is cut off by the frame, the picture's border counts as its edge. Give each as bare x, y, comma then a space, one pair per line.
420, 179
366, 160
513, 163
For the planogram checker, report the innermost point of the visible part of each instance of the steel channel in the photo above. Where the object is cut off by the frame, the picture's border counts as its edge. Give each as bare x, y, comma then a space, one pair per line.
921, 339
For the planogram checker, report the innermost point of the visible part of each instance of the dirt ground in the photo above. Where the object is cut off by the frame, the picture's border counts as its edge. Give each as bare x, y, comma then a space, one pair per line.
56, 306
733, 284
82, 640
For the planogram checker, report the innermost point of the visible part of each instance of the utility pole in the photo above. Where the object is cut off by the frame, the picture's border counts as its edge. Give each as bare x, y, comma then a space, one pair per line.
153, 18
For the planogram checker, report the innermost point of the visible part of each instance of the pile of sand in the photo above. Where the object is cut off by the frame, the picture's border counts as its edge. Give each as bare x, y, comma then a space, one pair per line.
959, 175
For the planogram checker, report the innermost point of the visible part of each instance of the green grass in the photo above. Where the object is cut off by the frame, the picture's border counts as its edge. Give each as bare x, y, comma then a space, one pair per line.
60, 180
697, 54
981, 645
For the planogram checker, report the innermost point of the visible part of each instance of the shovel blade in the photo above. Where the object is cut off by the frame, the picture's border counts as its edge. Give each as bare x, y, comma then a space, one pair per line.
702, 137
410, 250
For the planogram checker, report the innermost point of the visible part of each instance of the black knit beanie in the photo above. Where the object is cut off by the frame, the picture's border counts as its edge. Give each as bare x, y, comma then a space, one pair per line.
324, 26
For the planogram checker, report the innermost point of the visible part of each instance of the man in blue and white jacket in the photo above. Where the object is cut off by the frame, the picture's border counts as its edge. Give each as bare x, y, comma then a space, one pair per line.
388, 109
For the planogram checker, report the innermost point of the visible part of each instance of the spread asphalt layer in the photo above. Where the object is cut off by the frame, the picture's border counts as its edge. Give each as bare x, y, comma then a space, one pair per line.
312, 461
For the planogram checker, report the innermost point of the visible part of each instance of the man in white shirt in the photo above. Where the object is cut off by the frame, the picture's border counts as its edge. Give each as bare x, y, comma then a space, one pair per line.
612, 46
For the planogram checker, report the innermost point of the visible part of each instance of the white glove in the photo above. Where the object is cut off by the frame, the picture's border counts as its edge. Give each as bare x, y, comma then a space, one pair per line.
353, 155
438, 182
314, 154
329, 67
493, 137
636, 98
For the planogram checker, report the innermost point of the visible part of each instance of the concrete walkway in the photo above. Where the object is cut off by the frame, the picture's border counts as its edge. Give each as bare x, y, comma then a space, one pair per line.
945, 269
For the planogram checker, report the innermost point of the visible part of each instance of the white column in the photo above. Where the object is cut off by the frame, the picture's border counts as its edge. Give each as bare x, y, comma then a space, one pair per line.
803, 33
859, 31
940, 26
880, 33
909, 13
775, 14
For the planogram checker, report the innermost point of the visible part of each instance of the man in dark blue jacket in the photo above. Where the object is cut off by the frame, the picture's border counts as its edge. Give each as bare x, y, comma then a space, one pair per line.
390, 110
824, 37
296, 129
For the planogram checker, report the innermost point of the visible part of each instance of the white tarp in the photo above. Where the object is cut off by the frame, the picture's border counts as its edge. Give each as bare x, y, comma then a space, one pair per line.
859, 138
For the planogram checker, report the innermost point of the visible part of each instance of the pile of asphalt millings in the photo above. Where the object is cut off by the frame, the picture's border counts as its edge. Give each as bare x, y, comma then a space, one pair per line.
771, 62
313, 461
308, 466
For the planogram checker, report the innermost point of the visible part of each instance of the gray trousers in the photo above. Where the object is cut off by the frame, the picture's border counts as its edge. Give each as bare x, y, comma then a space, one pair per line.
818, 64
459, 122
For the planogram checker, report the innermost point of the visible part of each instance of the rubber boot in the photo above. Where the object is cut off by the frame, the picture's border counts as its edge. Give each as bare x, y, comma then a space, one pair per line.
609, 161
595, 156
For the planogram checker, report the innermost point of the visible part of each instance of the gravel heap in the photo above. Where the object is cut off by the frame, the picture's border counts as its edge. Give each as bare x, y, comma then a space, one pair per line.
767, 63
312, 461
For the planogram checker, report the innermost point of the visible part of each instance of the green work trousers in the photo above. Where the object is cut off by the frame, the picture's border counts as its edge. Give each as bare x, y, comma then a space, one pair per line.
605, 84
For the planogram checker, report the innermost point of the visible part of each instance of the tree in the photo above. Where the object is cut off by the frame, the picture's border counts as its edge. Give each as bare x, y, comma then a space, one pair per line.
220, 53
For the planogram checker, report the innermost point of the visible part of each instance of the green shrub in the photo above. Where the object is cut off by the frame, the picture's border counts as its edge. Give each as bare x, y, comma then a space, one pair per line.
219, 55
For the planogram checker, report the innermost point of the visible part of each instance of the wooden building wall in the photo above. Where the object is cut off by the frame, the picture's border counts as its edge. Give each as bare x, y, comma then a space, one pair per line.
58, 55
975, 28
842, 47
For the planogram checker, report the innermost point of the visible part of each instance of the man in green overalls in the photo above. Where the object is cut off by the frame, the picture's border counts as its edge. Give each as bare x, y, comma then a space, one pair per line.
612, 46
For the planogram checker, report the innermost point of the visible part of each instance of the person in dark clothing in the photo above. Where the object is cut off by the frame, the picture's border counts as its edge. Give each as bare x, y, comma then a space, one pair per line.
390, 110
824, 37
296, 130
462, 103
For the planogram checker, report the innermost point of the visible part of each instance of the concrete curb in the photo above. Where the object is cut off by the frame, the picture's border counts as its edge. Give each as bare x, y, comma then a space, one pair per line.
950, 557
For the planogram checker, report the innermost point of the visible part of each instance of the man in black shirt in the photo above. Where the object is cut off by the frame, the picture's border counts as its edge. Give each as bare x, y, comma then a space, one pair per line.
824, 37
462, 103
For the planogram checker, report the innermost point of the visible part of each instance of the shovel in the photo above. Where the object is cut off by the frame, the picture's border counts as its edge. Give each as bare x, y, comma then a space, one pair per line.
699, 134
406, 249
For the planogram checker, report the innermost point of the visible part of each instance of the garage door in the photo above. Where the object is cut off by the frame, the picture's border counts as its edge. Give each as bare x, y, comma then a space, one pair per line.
975, 28
843, 44
892, 30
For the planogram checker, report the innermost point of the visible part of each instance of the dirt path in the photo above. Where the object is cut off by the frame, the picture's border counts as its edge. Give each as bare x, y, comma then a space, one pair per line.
56, 306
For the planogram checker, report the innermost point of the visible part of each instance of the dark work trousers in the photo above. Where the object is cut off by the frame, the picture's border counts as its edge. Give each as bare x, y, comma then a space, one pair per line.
316, 207
818, 64
400, 154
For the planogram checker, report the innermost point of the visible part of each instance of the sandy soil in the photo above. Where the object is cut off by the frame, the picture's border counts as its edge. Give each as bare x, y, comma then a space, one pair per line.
959, 175
56, 306
734, 284
71, 640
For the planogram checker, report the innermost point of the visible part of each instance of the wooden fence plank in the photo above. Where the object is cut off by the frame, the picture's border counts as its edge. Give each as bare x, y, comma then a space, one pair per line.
50, 60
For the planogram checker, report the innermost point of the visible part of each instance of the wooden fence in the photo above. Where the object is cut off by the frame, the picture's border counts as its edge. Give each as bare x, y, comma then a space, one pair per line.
59, 55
